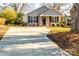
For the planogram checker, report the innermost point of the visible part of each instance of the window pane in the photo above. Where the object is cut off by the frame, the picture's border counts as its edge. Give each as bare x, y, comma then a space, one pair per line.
52, 19
57, 19
31, 19
34, 19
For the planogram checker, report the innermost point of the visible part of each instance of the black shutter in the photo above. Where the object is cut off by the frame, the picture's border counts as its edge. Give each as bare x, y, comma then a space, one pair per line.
28, 19
37, 19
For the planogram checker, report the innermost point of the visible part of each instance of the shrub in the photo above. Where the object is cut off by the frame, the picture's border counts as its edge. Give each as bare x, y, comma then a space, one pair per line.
11, 16
19, 18
8, 13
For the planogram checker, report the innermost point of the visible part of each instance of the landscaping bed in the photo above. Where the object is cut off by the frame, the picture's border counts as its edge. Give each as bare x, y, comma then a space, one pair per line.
68, 41
3, 31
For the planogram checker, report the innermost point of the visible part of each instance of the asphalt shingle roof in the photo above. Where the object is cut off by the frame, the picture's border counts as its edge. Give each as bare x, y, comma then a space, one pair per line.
50, 13
44, 11
38, 11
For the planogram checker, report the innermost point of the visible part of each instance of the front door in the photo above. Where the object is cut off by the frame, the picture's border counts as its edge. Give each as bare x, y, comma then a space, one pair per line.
44, 20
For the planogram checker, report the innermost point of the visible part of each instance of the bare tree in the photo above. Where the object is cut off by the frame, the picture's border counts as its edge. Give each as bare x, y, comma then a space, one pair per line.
18, 6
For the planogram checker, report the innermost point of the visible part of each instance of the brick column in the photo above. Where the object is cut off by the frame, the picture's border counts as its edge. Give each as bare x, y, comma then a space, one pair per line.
40, 21
59, 20
47, 21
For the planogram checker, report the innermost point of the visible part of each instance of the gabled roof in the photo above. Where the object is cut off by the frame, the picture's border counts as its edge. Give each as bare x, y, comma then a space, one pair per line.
38, 11
44, 11
50, 13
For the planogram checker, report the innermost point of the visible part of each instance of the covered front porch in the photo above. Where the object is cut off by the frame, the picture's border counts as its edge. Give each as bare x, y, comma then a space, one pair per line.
50, 20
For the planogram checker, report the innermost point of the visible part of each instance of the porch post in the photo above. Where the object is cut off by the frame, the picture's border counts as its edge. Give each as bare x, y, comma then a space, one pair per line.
40, 21
60, 21
47, 21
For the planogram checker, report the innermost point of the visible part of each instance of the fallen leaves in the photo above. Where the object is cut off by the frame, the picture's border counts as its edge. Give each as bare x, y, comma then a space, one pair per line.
66, 40
3, 31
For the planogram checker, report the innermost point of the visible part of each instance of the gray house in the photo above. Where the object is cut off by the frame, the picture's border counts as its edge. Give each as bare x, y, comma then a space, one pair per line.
44, 16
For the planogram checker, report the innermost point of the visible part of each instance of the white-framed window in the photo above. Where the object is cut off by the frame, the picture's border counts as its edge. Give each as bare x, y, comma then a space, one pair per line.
52, 19
56, 19
32, 19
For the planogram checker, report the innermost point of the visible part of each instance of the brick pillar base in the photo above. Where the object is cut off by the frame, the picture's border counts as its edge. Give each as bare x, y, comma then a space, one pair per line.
47, 21
40, 21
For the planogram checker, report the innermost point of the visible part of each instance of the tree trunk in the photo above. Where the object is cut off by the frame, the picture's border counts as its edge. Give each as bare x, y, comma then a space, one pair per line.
75, 18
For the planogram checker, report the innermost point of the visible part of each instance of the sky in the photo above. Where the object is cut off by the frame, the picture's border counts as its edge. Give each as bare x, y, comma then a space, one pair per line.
66, 8
33, 6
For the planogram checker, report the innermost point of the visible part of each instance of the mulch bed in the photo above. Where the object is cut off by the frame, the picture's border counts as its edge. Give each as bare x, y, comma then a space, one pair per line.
1, 37
69, 41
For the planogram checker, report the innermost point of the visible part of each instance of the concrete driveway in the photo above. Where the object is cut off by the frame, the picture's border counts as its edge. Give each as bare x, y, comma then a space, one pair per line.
28, 41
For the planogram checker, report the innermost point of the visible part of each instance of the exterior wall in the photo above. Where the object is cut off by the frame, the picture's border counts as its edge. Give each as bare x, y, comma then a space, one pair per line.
25, 18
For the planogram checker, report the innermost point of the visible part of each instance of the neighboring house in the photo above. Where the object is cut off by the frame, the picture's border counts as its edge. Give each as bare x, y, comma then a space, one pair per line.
44, 16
